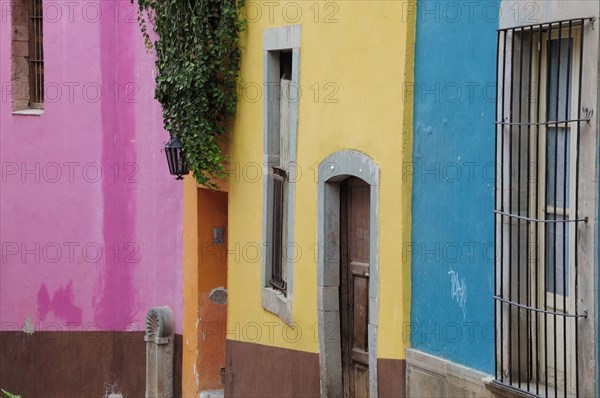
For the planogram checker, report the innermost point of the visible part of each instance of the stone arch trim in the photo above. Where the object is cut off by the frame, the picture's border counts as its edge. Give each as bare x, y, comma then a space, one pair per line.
333, 170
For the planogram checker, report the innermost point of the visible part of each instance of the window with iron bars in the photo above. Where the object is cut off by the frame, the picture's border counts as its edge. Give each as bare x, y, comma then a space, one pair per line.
277, 278
36, 54
27, 53
280, 192
538, 126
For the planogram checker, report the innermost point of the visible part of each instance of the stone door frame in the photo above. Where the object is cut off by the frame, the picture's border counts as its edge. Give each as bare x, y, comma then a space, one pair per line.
332, 171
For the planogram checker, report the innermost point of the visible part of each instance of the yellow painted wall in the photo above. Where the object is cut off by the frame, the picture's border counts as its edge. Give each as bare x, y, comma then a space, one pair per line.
368, 56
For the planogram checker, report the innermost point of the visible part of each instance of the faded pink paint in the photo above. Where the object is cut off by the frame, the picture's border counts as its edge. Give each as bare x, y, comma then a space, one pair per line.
118, 147
79, 248
61, 305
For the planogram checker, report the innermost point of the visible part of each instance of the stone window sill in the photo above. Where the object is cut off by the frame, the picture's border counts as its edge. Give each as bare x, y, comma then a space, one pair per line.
504, 391
276, 303
29, 112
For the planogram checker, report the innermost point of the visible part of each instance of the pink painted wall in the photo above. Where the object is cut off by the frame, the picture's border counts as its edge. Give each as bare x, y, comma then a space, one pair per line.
82, 250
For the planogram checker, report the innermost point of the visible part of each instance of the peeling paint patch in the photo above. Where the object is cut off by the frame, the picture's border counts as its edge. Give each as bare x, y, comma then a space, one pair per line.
197, 374
113, 391
28, 326
212, 394
218, 295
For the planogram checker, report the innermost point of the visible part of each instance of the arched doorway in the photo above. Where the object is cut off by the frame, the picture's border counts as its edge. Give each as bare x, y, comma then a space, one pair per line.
348, 277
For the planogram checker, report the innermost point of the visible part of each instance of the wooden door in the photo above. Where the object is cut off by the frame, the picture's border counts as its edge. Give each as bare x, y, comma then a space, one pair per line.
354, 286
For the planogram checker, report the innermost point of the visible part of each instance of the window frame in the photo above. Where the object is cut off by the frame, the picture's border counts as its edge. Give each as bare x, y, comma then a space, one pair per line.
542, 148
276, 41
558, 302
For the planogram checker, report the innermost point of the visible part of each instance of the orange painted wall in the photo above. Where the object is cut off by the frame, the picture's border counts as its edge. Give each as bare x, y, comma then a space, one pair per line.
204, 268
212, 274
190, 380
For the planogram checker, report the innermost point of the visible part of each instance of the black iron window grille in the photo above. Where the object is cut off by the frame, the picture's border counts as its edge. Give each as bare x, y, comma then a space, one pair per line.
36, 54
538, 124
279, 176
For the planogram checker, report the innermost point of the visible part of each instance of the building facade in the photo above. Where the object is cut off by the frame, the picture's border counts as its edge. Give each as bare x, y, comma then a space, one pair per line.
315, 182
90, 218
505, 201
452, 317
411, 206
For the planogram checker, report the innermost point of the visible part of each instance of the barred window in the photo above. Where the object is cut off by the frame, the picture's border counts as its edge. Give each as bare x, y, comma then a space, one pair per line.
27, 50
281, 73
538, 126
278, 280
36, 54
281, 112
280, 181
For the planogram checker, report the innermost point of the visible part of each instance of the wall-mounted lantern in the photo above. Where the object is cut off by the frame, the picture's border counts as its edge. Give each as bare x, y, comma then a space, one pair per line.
176, 159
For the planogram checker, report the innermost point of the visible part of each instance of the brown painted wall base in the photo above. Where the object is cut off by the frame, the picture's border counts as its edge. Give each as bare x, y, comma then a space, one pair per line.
391, 375
77, 364
255, 370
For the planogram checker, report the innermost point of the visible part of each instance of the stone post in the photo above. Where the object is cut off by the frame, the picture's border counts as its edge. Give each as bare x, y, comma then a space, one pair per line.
159, 352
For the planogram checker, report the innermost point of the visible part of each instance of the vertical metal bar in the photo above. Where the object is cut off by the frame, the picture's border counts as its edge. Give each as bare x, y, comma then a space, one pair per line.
519, 135
33, 30
41, 55
32, 34
537, 201
276, 229
502, 218
36, 52
577, 206
510, 222
35, 35
545, 210
565, 190
496, 193
555, 226
528, 212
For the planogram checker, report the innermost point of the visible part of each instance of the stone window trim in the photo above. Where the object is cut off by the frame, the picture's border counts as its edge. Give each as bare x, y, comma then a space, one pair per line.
29, 112
286, 38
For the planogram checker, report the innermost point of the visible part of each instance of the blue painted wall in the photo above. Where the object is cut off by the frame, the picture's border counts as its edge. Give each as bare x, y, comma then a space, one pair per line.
452, 312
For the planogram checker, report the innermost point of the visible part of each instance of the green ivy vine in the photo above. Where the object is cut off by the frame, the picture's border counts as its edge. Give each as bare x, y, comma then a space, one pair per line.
197, 61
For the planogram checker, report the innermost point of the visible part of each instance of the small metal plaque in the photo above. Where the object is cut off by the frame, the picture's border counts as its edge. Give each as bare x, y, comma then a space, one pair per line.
219, 235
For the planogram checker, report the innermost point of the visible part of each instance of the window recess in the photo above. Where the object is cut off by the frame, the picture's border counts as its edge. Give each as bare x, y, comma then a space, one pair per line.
281, 62
538, 132
279, 174
27, 53
36, 54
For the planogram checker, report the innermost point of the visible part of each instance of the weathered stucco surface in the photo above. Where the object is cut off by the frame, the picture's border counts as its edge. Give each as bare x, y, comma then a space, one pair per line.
90, 218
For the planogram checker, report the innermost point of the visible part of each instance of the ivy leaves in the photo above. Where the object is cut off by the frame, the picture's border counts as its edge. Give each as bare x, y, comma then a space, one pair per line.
9, 395
197, 61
